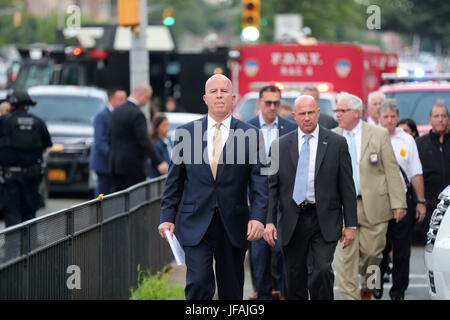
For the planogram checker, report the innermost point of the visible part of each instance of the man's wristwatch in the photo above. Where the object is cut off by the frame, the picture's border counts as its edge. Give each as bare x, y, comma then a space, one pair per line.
424, 202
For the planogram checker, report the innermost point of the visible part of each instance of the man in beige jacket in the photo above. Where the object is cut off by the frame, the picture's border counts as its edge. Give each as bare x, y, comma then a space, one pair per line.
380, 197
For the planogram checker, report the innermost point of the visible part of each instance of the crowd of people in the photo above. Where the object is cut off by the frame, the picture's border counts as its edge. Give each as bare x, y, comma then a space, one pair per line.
345, 193
348, 197
124, 141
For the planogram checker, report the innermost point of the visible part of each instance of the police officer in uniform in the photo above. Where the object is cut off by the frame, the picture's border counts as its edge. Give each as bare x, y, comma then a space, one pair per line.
23, 139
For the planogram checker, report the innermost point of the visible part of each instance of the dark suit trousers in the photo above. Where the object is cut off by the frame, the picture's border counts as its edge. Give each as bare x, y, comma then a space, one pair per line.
307, 236
229, 267
104, 184
399, 238
123, 182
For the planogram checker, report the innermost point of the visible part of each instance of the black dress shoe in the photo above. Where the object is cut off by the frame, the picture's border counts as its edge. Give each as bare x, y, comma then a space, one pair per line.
378, 293
397, 298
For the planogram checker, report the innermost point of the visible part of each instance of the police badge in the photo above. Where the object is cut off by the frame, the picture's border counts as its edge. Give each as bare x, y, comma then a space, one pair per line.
373, 158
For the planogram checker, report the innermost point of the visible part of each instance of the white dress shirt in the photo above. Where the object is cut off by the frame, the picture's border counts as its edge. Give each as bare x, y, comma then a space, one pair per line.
270, 132
224, 129
405, 150
357, 131
371, 121
313, 142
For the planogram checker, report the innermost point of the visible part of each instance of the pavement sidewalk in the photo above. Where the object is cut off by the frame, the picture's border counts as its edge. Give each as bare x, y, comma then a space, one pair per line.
177, 276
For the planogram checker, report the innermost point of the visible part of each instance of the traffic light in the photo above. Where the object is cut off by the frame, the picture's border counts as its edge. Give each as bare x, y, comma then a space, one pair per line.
168, 18
128, 13
17, 18
251, 14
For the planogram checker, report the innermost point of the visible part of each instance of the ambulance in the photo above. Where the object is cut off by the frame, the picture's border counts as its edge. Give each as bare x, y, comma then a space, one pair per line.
332, 67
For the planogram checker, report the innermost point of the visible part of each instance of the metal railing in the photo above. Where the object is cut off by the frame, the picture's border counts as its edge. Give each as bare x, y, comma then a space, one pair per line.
88, 251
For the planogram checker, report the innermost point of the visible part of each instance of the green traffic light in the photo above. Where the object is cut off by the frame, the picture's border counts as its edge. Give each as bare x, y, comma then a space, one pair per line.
169, 21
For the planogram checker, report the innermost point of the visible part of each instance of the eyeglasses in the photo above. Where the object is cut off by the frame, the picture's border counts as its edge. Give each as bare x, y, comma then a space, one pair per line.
268, 103
339, 111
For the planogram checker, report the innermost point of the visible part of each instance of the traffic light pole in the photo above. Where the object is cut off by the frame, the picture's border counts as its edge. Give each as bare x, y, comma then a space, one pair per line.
139, 56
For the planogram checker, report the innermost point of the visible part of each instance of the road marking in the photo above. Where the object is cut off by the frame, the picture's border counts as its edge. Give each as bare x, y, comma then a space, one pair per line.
419, 276
388, 286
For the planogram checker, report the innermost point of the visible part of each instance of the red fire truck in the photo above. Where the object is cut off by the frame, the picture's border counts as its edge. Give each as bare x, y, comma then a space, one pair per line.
335, 67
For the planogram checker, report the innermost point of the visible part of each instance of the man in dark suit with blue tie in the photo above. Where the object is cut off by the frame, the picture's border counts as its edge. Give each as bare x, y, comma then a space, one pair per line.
214, 161
272, 126
99, 157
316, 193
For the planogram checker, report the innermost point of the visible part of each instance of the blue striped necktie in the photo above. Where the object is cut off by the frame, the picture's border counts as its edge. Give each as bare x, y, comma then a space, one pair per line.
354, 157
301, 176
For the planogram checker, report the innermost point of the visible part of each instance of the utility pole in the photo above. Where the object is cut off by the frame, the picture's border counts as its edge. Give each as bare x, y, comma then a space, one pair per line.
133, 13
139, 57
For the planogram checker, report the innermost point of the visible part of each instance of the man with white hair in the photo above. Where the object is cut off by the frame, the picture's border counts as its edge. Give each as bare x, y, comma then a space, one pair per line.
380, 197
374, 101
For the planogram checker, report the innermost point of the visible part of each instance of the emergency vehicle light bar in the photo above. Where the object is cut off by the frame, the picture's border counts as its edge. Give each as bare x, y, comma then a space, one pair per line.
294, 86
426, 77
98, 54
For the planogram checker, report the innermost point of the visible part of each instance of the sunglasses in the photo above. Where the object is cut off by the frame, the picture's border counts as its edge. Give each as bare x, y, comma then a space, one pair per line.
268, 103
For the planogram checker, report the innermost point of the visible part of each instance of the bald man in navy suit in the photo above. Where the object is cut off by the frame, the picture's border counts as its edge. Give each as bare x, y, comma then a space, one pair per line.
214, 162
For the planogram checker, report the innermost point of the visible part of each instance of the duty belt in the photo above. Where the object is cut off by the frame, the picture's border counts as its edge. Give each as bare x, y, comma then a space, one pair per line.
11, 169
4, 170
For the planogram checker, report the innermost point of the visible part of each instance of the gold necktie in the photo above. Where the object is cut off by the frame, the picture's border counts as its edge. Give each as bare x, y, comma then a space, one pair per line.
217, 149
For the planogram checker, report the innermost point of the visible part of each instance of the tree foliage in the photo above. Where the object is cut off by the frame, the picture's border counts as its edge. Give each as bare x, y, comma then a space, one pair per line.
428, 19
326, 18
329, 20
191, 16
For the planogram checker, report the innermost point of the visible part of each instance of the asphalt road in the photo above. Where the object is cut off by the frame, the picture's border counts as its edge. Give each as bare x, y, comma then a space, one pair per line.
417, 290
57, 203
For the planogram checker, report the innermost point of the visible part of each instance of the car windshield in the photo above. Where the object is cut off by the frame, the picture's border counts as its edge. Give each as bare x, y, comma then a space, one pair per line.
247, 110
417, 104
34, 75
63, 108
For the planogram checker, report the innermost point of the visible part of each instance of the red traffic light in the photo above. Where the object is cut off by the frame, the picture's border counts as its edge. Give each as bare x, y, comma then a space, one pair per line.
77, 51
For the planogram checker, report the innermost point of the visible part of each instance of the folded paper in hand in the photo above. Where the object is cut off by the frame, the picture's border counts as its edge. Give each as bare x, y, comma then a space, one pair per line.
177, 250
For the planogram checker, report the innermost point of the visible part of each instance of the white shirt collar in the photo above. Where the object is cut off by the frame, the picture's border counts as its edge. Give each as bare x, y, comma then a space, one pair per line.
315, 133
226, 123
356, 129
262, 122
133, 101
371, 121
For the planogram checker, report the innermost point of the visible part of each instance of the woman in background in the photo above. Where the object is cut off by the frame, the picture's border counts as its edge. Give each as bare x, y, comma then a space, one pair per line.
409, 126
163, 145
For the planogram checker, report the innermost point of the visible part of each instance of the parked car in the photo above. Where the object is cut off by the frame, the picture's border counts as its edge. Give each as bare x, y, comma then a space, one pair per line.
177, 119
437, 249
415, 99
246, 107
69, 113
